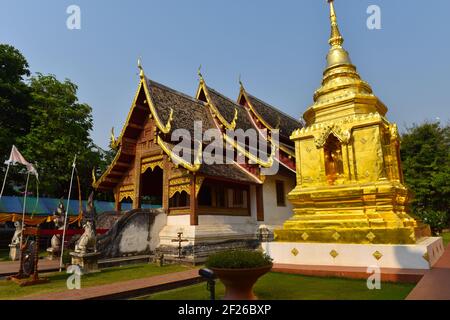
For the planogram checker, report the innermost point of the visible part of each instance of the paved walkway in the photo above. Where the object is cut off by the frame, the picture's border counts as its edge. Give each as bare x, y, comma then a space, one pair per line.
8, 268
125, 289
387, 274
435, 284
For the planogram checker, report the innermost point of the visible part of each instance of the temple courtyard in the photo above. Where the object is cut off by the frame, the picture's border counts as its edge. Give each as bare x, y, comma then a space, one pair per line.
148, 281
206, 196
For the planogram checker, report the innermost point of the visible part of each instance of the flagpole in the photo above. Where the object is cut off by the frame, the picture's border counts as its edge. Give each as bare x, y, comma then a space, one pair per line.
67, 212
4, 180
23, 219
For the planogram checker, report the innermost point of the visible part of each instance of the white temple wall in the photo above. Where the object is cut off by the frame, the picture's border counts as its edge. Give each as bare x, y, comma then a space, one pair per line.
275, 216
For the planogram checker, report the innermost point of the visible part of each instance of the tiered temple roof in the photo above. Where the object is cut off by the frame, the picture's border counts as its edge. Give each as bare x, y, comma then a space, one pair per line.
173, 110
269, 116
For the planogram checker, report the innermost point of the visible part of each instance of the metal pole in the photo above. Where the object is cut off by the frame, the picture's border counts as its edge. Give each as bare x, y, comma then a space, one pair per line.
212, 289
4, 180
23, 219
65, 218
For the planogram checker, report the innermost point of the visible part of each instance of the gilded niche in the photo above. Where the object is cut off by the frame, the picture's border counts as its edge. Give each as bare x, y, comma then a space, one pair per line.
332, 129
334, 167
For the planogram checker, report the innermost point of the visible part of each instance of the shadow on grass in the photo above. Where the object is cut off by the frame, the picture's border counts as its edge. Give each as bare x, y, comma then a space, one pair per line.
278, 286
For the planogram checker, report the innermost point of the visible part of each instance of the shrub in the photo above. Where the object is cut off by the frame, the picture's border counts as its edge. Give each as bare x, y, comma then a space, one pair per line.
437, 220
238, 259
426, 166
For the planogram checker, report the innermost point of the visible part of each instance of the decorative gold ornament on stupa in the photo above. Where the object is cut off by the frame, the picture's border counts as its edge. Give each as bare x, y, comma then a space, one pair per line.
349, 175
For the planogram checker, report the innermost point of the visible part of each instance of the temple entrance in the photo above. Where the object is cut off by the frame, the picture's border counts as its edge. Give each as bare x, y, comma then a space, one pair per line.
152, 188
179, 200
126, 204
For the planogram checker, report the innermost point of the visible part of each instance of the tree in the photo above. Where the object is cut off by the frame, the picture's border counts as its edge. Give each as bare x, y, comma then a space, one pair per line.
426, 162
14, 98
60, 128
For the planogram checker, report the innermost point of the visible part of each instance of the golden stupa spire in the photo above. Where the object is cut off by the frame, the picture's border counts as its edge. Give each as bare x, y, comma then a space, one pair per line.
337, 54
340, 78
336, 39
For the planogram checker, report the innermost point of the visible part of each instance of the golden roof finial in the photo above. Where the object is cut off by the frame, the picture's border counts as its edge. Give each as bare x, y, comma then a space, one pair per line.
114, 143
336, 39
141, 69
240, 81
94, 178
199, 72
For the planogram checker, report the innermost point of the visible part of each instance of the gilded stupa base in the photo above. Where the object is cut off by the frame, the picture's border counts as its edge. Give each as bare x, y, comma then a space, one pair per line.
353, 236
372, 213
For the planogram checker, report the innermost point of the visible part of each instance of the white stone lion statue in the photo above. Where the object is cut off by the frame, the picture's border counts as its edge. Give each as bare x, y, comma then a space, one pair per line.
88, 240
17, 234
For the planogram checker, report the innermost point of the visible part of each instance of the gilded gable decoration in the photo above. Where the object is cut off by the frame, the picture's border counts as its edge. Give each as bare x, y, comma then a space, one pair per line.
322, 136
152, 163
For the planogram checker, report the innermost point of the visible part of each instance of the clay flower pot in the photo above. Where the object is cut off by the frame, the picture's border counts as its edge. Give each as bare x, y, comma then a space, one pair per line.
239, 282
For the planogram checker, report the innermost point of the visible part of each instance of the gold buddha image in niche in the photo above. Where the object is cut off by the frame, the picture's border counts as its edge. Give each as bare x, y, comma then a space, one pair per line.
334, 167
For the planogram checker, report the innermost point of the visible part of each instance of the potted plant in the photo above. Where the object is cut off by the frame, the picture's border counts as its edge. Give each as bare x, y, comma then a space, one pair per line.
239, 270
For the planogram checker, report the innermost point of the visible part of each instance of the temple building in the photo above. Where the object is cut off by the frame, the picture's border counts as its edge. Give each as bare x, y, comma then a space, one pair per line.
213, 205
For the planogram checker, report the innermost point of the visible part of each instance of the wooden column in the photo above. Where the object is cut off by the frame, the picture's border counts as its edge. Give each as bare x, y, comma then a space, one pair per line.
259, 203
249, 201
193, 203
165, 186
118, 205
137, 182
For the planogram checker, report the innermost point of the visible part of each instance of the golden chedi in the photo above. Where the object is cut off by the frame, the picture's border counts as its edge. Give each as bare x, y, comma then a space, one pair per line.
350, 186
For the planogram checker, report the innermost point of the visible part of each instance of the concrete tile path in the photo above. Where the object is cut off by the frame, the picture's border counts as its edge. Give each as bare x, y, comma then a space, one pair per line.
435, 284
8, 268
125, 289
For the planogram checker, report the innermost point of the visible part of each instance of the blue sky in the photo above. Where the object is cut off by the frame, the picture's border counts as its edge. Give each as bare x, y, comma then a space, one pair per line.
278, 47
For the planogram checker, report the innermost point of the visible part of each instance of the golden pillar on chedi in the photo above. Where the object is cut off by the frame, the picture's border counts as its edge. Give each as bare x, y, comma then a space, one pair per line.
350, 186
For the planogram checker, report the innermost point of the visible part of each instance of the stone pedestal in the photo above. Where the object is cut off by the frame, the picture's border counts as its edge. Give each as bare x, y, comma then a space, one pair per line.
422, 255
88, 262
53, 254
14, 252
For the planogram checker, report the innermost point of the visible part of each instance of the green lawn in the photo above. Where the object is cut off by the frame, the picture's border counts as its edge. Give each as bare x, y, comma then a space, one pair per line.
446, 237
272, 286
10, 290
278, 286
4, 255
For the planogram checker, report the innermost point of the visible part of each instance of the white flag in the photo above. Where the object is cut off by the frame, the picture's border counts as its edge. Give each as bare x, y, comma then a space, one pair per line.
16, 157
